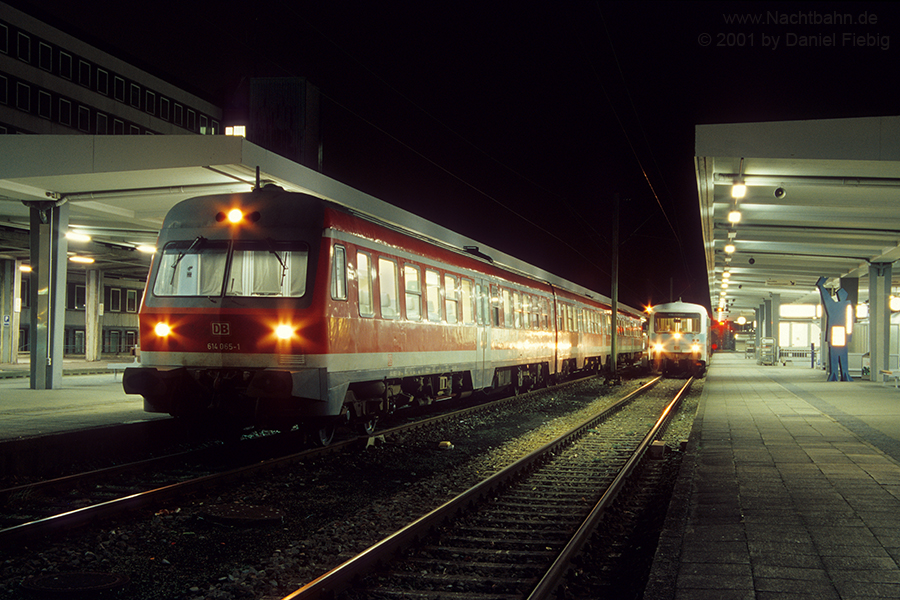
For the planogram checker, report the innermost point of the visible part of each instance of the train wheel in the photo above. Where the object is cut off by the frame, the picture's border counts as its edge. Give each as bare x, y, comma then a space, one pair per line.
367, 426
322, 435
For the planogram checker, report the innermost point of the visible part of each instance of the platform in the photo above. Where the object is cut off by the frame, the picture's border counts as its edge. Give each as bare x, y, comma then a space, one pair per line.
90, 396
790, 488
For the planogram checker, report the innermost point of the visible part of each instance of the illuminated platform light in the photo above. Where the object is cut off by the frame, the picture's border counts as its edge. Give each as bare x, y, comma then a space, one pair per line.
77, 237
729, 248
738, 190
734, 216
147, 249
84, 260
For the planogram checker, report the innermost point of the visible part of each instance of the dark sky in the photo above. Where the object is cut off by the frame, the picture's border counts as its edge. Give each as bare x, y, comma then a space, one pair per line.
516, 123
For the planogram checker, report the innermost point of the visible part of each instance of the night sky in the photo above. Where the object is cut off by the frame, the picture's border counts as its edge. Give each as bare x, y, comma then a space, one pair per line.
516, 123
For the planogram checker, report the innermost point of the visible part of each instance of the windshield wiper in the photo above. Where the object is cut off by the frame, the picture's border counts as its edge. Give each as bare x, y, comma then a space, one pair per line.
197, 240
271, 246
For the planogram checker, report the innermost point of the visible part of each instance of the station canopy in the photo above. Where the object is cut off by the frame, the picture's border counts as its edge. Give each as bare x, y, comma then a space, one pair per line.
822, 199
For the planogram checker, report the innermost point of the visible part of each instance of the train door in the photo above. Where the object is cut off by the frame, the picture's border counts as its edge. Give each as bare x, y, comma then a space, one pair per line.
484, 373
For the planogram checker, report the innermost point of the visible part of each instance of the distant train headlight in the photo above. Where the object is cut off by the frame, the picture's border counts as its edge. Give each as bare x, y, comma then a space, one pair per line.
162, 329
235, 215
677, 335
284, 332
695, 347
658, 347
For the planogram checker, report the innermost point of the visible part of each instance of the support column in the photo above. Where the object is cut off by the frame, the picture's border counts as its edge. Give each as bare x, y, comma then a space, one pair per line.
11, 310
48, 292
760, 328
879, 319
776, 324
93, 313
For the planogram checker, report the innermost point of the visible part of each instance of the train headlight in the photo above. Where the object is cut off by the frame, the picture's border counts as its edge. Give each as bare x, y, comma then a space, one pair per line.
695, 347
162, 329
677, 335
284, 332
235, 215
658, 347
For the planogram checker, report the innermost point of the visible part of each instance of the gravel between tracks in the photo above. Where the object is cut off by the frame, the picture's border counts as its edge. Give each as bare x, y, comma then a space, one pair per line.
332, 508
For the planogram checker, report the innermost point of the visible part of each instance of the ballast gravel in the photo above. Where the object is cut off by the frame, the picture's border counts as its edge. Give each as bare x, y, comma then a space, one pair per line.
331, 508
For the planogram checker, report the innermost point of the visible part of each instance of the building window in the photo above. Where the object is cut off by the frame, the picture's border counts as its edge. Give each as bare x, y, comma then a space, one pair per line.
44, 103
4, 39
204, 125
45, 56
102, 82
23, 96
118, 127
65, 65
135, 95
65, 111
4, 94
102, 124
119, 89
179, 114
115, 300
150, 102
84, 119
84, 73
134, 130
164, 109
215, 128
131, 301
191, 120
24, 47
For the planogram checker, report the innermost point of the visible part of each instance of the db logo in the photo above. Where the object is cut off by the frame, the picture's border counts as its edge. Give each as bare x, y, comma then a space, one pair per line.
221, 329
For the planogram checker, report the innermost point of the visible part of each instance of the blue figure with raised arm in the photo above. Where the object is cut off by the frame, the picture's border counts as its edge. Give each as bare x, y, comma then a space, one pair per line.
836, 313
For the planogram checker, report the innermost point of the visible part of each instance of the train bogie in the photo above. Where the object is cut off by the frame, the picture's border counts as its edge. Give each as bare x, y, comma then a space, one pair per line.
278, 308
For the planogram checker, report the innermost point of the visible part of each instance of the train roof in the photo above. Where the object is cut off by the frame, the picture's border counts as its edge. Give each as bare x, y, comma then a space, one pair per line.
680, 307
184, 214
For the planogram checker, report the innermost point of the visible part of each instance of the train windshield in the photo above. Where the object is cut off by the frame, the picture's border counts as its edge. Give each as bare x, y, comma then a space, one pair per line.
268, 269
677, 322
202, 268
191, 268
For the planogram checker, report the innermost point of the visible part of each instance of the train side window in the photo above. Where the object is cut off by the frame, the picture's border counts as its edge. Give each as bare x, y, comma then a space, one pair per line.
451, 298
339, 273
579, 325
508, 310
433, 295
479, 304
413, 287
466, 300
495, 306
364, 281
389, 285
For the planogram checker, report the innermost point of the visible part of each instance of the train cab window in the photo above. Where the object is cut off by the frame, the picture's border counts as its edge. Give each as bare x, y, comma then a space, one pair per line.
268, 269
339, 273
191, 268
433, 295
413, 287
467, 302
677, 322
365, 283
389, 285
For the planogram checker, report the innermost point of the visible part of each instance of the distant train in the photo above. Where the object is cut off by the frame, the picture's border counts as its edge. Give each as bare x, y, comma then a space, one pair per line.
272, 309
678, 340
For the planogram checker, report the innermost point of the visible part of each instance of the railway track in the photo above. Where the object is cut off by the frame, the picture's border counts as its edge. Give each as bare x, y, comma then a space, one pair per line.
514, 534
61, 504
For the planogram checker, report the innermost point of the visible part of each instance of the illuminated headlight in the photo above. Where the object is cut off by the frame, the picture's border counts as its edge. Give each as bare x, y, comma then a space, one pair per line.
162, 329
284, 332
676, 335
235, 215
658, 347
695, 347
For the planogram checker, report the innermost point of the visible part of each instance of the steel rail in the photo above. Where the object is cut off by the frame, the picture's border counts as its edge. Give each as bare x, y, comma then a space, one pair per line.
342, 577
552, 577
81, 516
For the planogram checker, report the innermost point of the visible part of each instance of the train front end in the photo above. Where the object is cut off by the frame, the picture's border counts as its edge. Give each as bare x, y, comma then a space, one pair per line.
229, 323
678, 343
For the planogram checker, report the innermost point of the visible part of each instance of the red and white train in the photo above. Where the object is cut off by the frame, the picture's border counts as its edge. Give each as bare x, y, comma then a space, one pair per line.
275, 308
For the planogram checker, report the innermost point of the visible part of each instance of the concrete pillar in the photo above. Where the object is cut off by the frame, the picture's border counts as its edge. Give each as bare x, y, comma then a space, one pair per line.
879, 319
93, 314
48, 292
776, 323
768, 308
10, 310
